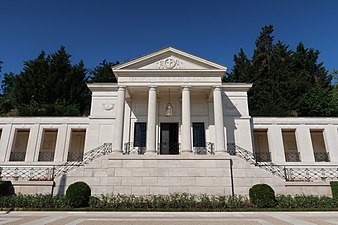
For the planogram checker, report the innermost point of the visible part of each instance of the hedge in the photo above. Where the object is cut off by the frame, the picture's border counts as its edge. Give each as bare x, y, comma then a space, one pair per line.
334, 189
172, 202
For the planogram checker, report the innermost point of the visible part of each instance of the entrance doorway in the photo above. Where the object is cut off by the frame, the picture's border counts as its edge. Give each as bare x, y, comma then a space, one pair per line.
169, 139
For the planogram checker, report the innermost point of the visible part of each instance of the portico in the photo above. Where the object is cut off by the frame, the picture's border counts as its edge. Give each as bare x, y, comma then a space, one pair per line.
148, 105
193, 88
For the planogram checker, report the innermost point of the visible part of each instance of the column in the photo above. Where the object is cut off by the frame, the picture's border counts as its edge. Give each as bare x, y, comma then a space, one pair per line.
186, 147
118, 131
304, 144
151, 121
276, 146
219, 123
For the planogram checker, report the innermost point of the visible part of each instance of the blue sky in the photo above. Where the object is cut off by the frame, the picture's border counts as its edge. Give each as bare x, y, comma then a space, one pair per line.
121, 30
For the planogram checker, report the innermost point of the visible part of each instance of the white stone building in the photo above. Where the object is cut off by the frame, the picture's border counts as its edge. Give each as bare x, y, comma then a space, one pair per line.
169, 125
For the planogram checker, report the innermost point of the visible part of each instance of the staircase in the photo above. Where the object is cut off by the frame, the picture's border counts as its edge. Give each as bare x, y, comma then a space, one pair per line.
88, 157
303, 173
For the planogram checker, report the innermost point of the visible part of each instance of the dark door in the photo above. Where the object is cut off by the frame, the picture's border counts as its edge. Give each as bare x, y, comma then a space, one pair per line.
169, 139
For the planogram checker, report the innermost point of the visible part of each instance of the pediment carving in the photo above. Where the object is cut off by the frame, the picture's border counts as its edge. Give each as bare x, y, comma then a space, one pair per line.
167, 59
170, 63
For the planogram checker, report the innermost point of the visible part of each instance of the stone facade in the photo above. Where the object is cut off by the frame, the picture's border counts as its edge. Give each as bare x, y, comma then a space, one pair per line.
169, 125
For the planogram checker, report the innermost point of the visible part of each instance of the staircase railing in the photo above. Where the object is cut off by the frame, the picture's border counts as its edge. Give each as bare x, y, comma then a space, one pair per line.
19, 172
233, 149
88, 157
300, 173
43, 172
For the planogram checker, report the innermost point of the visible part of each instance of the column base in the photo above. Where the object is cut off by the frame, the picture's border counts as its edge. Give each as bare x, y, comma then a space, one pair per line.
186, 152
223, 152
116, 152
153, 152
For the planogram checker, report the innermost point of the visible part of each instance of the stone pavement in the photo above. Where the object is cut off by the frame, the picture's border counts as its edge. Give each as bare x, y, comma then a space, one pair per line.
170, 218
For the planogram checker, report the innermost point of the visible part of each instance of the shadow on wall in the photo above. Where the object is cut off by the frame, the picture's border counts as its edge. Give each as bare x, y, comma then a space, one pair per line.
230, 112
62, 184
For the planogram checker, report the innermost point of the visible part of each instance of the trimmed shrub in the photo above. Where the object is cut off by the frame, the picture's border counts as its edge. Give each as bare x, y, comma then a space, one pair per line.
334, 189
78, 194
305, 202
6, 188
262, 195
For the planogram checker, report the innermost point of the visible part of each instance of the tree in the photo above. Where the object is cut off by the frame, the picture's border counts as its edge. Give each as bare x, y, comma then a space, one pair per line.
285, 82
103, 73
48, 85
335, 91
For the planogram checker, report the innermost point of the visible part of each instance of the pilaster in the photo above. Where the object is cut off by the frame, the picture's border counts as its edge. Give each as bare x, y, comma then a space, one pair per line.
276, 147
32, 151
219, 121
304, 144
118, 131
331, 142
4, 142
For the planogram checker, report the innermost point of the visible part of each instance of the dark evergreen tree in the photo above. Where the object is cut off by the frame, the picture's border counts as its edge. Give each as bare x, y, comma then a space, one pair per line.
103, 72
241, 70
48, 86
285, 83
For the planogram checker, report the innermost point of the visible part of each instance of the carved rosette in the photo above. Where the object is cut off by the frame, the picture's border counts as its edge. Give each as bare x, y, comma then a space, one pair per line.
108, 107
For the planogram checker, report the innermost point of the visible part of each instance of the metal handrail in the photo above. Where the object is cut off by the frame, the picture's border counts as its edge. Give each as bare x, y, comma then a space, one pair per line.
31, 172
208, 149
44, 172
306, 173
130, 149
262, 156
322, 156
88, 157
292, 156
234, 149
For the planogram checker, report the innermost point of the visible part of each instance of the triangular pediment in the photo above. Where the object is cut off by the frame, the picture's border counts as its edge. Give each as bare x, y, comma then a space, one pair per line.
169, 59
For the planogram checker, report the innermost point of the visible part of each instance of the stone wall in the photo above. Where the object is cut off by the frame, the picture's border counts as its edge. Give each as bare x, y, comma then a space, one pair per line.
142, 175
164, 174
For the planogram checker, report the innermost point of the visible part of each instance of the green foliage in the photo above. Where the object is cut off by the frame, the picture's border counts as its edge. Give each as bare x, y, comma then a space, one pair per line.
182, 201
172, 201
6, 188
78, 194
262, 195
305, 201
334, 189
103, 72
285, 82
33, 201
47, 86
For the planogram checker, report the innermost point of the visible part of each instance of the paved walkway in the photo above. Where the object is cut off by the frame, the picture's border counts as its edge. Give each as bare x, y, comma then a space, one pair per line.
162, 218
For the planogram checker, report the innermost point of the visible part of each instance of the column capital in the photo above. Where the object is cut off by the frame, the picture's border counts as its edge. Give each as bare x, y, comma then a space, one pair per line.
122, 87
152, 87
217, 88
186, 88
